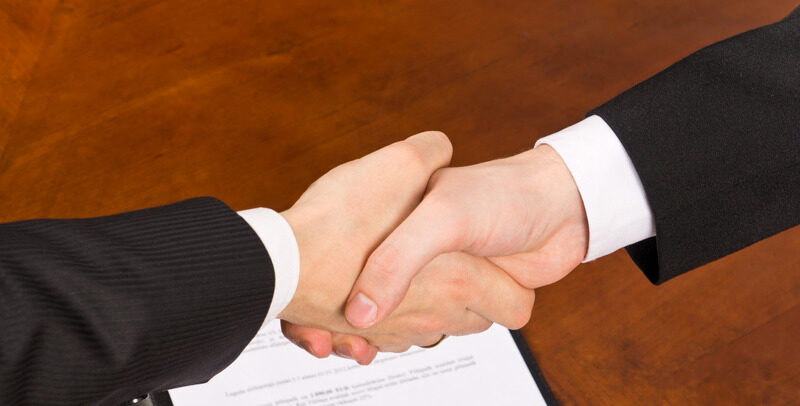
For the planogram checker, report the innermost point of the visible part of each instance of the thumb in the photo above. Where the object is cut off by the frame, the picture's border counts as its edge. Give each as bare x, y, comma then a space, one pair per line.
430, 230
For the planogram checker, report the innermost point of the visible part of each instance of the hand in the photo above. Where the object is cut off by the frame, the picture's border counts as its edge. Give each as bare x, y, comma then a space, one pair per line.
341, 218
455, 294
524, 213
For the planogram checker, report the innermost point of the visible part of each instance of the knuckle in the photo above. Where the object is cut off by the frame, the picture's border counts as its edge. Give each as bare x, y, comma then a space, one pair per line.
383, 263
394, 348
485, 325
442, 144
424, 325
520, 317
392, 344
461, 292
519, 320
475, 327
412, 158
435, 143
444, 140
439, 138
460, 285
429, 340
383, 257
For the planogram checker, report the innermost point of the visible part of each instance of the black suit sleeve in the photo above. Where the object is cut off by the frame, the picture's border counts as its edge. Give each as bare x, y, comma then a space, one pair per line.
715, 139
100, 310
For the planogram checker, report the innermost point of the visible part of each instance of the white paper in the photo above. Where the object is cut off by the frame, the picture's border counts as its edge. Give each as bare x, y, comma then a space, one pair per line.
482, 369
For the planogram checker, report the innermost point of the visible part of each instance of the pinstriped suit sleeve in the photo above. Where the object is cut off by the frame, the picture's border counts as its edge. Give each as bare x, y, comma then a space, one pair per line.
100, 310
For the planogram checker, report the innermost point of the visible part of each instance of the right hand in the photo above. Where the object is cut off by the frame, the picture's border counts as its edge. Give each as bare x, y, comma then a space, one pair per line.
346, 213
455, 294
524, 213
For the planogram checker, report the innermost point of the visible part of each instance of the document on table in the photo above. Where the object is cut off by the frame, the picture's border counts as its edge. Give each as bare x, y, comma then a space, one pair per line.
482, 369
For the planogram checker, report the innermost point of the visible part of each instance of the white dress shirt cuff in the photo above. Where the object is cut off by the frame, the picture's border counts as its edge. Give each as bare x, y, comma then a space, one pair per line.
280, 242
613, 196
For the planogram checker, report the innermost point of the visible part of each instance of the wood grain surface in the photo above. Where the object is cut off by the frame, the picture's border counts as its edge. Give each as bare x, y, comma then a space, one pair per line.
113, 105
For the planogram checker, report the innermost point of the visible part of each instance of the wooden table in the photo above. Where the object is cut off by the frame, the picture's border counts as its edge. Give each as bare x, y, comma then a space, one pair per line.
115, 105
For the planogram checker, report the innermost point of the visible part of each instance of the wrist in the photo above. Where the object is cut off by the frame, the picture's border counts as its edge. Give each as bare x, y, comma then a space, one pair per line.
554, 182
299, 226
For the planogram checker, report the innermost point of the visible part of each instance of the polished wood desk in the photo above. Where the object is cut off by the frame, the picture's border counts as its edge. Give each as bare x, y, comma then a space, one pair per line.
114, 105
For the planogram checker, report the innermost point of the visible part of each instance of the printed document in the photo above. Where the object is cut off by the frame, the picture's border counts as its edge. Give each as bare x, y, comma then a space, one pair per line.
482, 369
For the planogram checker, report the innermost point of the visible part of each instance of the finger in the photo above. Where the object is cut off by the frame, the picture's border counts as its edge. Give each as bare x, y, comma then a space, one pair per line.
377, 299
420, 154
353, 347
316, 342
430, 340
433, 148
431, 229
373, 352
459, 321
501, 298
546, 265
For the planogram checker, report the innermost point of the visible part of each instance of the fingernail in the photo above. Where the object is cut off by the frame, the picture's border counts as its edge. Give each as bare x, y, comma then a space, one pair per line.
344, 351
369, 358
361, 311
306, 346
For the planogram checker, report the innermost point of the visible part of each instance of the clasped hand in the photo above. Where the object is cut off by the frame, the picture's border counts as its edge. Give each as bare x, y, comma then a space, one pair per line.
382, 268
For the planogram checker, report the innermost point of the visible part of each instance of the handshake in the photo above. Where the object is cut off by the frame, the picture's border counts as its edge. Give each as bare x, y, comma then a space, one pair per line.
397, 249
